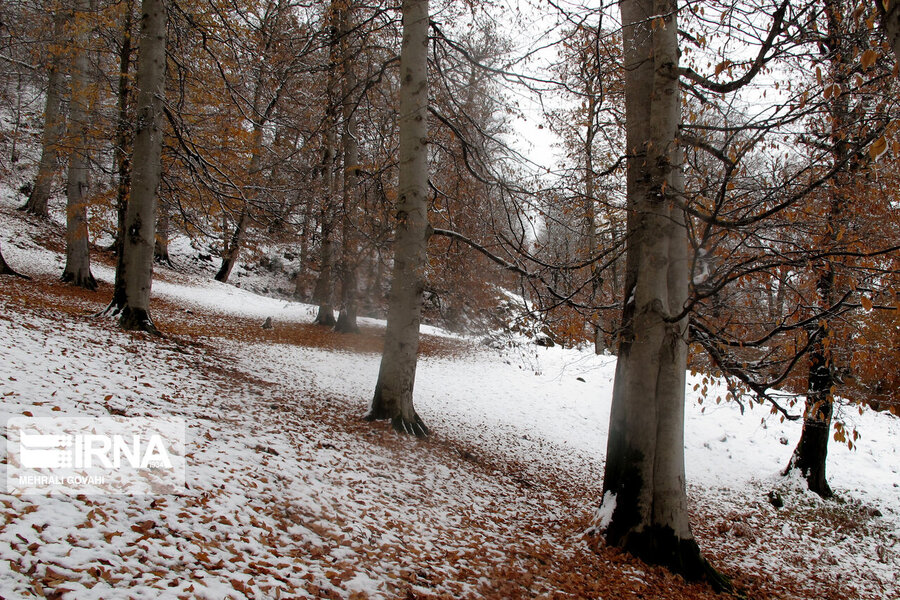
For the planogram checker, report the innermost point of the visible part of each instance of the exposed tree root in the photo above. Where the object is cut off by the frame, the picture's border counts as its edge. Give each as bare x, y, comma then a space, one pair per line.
660, 546
137, 319
83, 281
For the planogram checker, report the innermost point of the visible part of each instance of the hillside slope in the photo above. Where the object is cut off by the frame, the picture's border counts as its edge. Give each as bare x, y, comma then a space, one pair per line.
291, 495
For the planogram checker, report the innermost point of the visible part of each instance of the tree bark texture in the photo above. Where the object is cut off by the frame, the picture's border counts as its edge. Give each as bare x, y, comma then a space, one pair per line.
122, 159
140, 217
78, 254
54, 124
393, 397
346, 322
811, 452
890, 23
645, 452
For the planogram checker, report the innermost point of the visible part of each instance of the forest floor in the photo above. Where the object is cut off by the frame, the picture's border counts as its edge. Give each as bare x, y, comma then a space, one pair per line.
290, 494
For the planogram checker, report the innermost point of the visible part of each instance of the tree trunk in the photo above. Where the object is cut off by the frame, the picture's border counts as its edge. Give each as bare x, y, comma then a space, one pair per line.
233, 248
645, 452
590, 222
324, 289
78, 255
5, 269
122, 159
890, 23
54, 124
324, 283
161, 246
300, 289
393, 397
346, 322
140, 218
812, 450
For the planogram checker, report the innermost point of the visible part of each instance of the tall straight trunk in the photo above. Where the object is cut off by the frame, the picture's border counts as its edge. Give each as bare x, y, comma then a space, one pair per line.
300, 289
590, 213
346, 322
78, 255
122, 159
54, 124
393, 397
324, 290
811, 452
140, 217
644, 474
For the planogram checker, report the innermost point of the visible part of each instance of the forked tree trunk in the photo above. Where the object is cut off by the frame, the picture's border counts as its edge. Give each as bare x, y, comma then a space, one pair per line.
645, 454
140, 218
393, 397
78, 255
346, 322
54, 124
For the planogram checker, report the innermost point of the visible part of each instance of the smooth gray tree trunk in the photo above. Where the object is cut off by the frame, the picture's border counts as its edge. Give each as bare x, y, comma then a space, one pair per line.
54, 125
346, 322
645, 452
78, 254
140, 217
393, 397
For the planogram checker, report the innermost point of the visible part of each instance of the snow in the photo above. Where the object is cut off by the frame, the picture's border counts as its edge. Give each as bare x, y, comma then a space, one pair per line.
280, 500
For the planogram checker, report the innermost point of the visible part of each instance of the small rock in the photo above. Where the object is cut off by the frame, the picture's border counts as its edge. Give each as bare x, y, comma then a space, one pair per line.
268, 324
775, 499
581, 379
783, 441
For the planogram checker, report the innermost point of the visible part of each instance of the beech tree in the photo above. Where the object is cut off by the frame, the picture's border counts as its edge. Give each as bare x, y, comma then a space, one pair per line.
350, 200
54, 118
140, 216
393, 398
78, 258
644, 480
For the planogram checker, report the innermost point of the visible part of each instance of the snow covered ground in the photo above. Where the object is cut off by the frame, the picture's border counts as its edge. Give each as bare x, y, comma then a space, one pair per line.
290, 495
